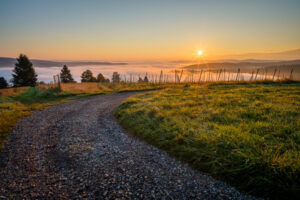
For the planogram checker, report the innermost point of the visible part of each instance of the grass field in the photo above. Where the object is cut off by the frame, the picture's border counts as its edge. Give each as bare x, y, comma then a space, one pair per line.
247, 135
16, 103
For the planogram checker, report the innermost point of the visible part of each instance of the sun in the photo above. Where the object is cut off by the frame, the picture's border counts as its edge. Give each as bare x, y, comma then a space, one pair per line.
200, 52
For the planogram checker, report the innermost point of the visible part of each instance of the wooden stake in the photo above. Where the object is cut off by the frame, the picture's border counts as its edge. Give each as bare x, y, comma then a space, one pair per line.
274, 74
237, 74
252, 76
291, 74
58, 80
180, 76
256, 73
200, 77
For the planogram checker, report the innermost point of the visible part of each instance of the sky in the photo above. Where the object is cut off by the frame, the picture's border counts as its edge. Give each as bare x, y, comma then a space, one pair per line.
126, 30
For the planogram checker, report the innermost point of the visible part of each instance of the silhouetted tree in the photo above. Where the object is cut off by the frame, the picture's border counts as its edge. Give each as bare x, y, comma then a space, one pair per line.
87, 76
116, 77
146, 79
100, 78
24, 74
140, 80
107, 80
65, 75
3, 83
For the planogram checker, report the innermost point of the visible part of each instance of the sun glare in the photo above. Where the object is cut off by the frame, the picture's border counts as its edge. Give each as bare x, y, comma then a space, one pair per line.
200, 52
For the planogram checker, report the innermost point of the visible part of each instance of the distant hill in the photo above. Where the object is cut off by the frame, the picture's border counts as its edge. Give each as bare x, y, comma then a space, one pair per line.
10, 62
247, 66
283, 55
244, 64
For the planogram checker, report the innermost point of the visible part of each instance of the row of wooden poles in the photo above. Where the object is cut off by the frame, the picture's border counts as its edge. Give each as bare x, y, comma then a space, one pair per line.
209, 76
203, 76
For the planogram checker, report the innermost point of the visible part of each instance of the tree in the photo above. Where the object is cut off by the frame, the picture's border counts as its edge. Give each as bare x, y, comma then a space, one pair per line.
146, 79
87, 76
100, 78
116, 77
3, 83
24, 74
140, 80
65, 75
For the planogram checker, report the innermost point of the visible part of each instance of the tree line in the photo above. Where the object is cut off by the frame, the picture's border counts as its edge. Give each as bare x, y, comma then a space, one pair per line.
25, 75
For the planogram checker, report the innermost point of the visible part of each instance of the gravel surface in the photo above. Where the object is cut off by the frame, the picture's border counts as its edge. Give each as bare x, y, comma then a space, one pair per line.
77, 150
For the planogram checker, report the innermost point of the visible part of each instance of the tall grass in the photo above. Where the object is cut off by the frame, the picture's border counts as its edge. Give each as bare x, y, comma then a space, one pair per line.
248, 135
33, 95
93, 87
4, 93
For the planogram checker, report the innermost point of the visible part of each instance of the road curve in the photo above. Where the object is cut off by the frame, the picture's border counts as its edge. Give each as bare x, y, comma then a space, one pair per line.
77, 150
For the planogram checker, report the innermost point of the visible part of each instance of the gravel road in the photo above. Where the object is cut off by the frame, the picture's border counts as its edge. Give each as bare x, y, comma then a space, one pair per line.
77, 150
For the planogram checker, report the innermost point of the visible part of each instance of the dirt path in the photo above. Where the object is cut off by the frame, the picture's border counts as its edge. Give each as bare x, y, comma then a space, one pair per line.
78, 150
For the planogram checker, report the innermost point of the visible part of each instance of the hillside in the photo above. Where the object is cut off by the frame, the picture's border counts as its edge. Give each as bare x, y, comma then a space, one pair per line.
247, 66
9, 62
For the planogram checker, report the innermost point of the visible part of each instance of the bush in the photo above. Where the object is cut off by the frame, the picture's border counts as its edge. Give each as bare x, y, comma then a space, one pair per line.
87, 76
3, 83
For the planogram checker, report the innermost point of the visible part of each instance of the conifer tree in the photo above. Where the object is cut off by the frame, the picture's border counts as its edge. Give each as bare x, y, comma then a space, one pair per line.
116, 77
24, 74
65, 75
100, 78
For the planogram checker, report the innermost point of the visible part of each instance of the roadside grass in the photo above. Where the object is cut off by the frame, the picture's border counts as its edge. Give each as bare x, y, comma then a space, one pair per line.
16, 103
21, 104
245, 134
4, 93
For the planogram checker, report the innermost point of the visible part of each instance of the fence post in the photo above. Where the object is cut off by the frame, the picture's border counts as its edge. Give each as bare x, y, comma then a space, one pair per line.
256, 74
200, 77
58, 80
219, 74
54, 79
160, 77
274, 74
266, 74
180, 76
291, 74
237, 74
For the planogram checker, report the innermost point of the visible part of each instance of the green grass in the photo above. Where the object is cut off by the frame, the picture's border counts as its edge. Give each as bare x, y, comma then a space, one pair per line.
247, 135
33, 95
20, 105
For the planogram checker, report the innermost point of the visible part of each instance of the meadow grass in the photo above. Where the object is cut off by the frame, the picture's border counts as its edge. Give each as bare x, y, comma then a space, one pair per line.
89, 88
247, 135
22, 102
